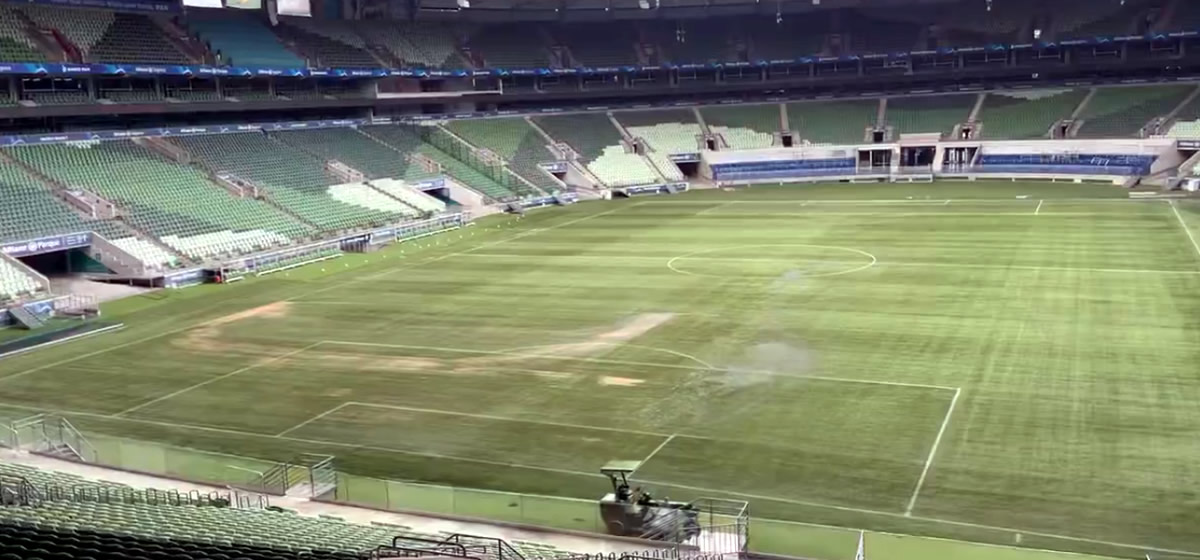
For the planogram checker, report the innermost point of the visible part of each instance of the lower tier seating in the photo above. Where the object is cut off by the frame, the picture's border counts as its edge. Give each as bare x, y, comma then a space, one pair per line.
174, 202
15, 283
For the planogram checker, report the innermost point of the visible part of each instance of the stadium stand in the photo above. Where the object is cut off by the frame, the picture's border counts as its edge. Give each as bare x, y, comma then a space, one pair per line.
15, 284
424, 44
598, 144
1115, 112
410, 196
833, 122
243, 41
784, 41
131, 96
936, 113
869, 35
403, 138
1132, 17
294, 179
32, 210
698, 41
112, 513
600, 44
326, 43
175, 203
513, 140
1186, 123
359, 151
511, 45
670, 131
744, 127
1016, 115
14, 43
83, 28
58, 97
135, 38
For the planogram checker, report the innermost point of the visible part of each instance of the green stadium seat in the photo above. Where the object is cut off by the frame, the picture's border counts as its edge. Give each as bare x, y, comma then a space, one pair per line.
293, 178
929, 114
833, 122
176, 203
744, 127
515, 141
407, 140
1022, 114
1122, 112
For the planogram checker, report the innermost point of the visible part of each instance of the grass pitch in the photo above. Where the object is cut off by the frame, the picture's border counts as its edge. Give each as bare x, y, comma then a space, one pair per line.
943, 359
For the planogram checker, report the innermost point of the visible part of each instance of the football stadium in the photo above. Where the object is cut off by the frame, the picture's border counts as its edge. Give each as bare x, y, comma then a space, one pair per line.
599, 279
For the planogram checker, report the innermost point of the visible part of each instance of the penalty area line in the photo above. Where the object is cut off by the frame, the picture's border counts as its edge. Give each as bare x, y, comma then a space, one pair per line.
655, 452
313, 419
1186, 230
912, 502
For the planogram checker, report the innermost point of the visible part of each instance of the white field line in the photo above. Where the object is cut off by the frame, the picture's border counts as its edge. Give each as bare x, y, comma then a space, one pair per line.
103, 330
595, 475
306, 294
713, 209
635, 363
656, 450
912, 502
947, 203
217, 378
313, 419
1038, 210
937, 201
880, 263
1186, 229
948, 213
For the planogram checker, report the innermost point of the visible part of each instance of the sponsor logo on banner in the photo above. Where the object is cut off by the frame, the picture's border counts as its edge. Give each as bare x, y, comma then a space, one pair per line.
47, 244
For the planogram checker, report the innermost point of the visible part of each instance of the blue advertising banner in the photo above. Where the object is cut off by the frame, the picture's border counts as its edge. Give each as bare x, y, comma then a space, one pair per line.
47, 244
68, 69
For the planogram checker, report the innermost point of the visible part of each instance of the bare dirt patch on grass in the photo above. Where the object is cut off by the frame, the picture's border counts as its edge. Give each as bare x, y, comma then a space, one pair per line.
207, 337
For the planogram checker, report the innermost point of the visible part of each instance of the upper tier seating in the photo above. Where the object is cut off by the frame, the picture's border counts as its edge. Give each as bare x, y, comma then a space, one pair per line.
1016, 115
134, 38
935, 113
1116, 112
697, 41
600, 44
293, 178
175, 203
84, 28
833, 122
513, 140
511, 46
792, 38
242, 41
30, 210
671, 131
868, 35
318, 45
16, 284
744, 127
15, 45
1129, 17
404, 137
60, 97
359, 151
423, 44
